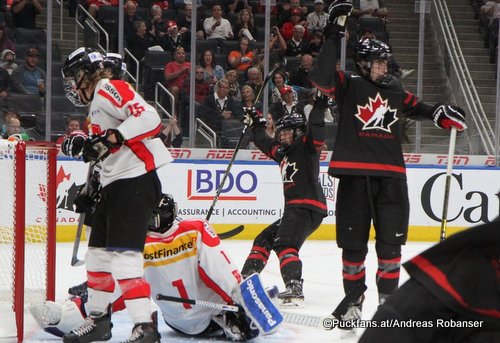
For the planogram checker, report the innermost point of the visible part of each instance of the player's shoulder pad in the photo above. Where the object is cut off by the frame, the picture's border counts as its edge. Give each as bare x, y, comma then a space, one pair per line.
118, 92
208, 235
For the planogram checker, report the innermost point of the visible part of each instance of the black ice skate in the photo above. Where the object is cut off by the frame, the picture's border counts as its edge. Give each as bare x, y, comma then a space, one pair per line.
293, 296
352, 315
97, 327
79, 290
144, 333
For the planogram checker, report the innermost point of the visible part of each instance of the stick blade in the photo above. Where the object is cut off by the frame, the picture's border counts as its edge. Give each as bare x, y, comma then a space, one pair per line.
75, 262
352, 295
231, 233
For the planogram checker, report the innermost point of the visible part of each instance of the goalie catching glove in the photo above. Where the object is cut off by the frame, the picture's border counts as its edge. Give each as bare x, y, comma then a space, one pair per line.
448, 116
253, 119
98, 147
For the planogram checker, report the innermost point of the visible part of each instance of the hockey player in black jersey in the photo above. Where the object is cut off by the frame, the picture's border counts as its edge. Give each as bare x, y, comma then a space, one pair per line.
367, 156
453, 294
297, 149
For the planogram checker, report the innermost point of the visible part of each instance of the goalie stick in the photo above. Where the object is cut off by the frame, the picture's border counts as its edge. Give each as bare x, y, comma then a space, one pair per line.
319, 322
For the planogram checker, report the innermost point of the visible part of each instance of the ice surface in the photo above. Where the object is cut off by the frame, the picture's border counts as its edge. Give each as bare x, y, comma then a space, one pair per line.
322, 289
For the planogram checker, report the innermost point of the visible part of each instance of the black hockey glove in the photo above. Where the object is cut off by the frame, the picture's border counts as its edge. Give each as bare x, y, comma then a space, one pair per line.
72, 144
87, 195
98, 147
338, 11
253, 118
448, 116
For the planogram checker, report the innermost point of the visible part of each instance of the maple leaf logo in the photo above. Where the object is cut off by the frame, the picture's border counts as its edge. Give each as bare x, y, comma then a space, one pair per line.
377, 115
288, 170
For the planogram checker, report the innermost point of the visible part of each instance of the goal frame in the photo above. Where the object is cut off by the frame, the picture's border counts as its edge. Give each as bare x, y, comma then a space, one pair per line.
20, 153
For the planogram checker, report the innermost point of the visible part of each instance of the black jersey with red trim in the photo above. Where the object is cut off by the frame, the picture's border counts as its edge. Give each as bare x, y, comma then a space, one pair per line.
463, 272
299, 163
368, 141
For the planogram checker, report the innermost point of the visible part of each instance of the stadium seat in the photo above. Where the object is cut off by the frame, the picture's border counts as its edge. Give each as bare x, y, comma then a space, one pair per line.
374, 24
25, 102
230, 132
29, 36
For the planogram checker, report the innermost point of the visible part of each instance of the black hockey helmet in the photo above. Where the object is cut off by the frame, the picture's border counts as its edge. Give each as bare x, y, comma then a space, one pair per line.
85, 59
115, 63
163, 217
291, 121
368, 50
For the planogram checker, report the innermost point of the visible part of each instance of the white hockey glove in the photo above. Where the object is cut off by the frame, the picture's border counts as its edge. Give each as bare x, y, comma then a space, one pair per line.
448, 116
253, 119
98, 147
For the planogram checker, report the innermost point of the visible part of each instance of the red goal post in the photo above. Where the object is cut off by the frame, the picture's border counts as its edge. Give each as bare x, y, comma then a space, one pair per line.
27, 229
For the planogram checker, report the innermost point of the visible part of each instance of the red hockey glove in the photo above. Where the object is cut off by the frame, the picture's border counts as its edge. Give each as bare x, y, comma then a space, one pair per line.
448, 116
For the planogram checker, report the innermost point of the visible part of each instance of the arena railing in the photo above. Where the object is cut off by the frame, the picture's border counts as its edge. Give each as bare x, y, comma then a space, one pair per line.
95, 27
479, 136
128, 55
206, 132
161, 90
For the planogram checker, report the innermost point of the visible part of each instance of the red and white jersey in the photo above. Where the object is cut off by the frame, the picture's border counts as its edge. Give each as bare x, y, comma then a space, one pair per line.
188, 261
116, 105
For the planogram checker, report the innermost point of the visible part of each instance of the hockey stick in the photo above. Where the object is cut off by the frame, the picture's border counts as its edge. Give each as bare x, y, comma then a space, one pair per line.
208, 304
240, 140
449, 168
231, 233
76, 245
325, 323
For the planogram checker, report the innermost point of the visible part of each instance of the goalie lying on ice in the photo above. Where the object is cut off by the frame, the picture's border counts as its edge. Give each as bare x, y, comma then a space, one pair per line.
183, 258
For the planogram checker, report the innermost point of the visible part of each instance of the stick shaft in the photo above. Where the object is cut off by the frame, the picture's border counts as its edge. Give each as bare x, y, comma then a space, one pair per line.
237, 148
203, 303
76, 245
449, 169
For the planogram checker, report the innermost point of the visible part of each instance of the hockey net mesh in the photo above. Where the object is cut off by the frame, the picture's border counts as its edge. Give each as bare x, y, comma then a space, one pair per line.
36, 224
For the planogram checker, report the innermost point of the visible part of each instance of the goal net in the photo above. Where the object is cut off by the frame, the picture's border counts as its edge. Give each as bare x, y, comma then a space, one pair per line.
27, 230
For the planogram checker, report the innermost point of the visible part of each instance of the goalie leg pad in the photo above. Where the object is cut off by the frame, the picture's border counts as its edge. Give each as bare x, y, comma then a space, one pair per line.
250, 294
58, 319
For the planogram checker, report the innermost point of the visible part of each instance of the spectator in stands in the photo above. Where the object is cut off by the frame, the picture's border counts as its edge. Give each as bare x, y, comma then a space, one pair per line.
7, 114
239, 5
14, 127
316, 43
245, 26
5, 42
24, 13
129, 19
185, 23
174, 39
218, 107
176, 73
217, 27
279, 81
213, 72
72, 124
254, 79
297, 45
94, 5
201, 85
300, 77
164, 4
140, 41
234, 86
171, 133
490, 12
242, 58
5, 87
28, 78
288, 27
316, 20
8, 60
285, 13
369, 9
277, 44
247, 101
287, 106
157, 26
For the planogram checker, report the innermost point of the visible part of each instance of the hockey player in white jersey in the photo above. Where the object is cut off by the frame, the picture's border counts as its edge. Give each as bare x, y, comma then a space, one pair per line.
182, 258
122, 127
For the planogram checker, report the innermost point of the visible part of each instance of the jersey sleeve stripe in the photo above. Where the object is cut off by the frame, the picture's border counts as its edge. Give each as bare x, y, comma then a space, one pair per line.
142, 153
367, 166
213, 285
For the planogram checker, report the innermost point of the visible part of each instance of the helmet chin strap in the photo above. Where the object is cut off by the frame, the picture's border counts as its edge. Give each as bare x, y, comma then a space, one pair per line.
83, 91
